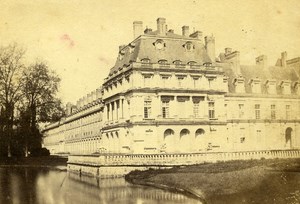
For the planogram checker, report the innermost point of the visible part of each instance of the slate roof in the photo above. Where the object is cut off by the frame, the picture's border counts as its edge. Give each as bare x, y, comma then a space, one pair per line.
263, 73
174, 50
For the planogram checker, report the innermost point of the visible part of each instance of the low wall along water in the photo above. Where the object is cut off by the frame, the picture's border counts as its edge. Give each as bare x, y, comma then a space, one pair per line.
118, 165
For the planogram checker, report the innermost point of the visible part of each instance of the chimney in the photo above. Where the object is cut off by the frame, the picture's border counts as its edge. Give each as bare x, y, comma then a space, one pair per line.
262, 60
197, 35
171, 31
98, 93
210, 47
283, 59
68, 107
185, 31
161, 26
137, 29
94, 95
228, 50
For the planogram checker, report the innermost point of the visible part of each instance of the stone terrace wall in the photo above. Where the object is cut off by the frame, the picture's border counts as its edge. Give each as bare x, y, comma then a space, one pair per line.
112, 165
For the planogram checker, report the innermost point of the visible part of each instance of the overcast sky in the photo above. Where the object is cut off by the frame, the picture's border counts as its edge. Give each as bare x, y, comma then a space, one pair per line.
80, 39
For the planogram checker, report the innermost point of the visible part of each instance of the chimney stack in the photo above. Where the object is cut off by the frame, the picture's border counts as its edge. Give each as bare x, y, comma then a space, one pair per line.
262, 60
228, 50
210, 47
68, 107
283, 59
185, 31
161, 26
197, 35
137, 29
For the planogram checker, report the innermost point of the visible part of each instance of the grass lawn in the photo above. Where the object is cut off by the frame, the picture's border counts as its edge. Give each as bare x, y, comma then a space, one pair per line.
253, 181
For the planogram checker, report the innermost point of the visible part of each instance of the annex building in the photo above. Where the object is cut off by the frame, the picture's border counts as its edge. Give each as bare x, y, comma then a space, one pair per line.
171, 93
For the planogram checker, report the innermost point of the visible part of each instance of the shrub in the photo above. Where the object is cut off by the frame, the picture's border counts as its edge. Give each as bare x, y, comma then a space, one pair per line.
39, 152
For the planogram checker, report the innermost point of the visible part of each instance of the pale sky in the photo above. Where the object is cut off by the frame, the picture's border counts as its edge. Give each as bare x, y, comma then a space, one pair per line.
80, 39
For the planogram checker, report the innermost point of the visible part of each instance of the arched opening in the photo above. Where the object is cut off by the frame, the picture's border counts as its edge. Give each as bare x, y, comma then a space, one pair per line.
169, 141
199, 132
288, 137
168, 132
200, 142
185, 141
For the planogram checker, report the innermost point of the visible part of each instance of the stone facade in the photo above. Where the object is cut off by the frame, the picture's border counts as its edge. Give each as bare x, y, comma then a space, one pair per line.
168, 93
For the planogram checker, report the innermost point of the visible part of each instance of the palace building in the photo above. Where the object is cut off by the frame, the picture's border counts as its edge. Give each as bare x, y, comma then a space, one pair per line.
170, 93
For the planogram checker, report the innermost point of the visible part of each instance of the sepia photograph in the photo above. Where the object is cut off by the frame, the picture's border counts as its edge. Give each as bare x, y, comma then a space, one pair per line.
150, 102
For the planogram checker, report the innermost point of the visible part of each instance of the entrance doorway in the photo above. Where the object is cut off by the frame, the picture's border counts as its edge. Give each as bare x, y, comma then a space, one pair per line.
288, 137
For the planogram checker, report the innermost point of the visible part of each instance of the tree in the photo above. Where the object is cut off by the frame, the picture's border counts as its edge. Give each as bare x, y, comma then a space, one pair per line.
40, 86
11, 69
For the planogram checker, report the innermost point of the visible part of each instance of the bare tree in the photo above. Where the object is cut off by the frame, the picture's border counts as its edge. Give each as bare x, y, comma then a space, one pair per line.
11, 69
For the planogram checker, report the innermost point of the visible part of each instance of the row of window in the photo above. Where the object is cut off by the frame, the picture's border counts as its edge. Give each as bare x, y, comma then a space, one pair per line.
163, 61
257, 111
181, 80
165, 110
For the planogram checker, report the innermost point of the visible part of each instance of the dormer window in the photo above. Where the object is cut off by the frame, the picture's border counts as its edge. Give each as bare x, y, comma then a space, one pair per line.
189, 46
121, 55
177, 62
159, 44
192, 63
145, 60
162, 61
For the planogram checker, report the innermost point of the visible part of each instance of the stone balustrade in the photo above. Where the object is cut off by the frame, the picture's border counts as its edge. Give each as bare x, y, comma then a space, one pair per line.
118, 165
177, 159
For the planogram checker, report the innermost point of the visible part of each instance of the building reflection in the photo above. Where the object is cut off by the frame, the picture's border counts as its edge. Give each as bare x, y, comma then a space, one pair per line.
35, 186
117, 189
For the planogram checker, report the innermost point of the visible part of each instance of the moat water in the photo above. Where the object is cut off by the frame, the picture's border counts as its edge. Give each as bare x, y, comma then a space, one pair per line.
21, 185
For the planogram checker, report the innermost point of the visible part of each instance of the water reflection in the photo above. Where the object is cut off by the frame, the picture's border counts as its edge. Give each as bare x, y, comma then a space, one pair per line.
32, 185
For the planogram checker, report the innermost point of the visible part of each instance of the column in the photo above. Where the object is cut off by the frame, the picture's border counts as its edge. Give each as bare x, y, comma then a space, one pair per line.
122, 108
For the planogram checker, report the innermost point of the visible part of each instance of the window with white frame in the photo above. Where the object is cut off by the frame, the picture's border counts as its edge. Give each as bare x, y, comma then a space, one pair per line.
165, 109
241, 111
287, 112
273, 112
165, 79
196, 109
147, 80
257, 111
211, 110
180, 81
147, 109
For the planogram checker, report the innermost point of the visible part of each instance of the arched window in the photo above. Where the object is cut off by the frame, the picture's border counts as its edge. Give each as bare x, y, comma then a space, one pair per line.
199, 132
168, 132
288, 137
184, 132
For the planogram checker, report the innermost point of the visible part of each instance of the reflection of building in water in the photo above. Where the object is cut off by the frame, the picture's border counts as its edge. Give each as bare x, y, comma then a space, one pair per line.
118, 189
168, 93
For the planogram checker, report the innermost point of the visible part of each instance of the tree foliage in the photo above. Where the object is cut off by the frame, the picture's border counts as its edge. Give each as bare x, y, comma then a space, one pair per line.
27, 97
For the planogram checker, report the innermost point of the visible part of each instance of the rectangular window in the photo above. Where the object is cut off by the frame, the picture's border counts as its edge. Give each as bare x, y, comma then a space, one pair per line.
273, 112
211, 110
147, 109
147, 80
287, 112
180, 81
196, 109
241, 110
165, 80
257, 111
196, 82
165, 109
